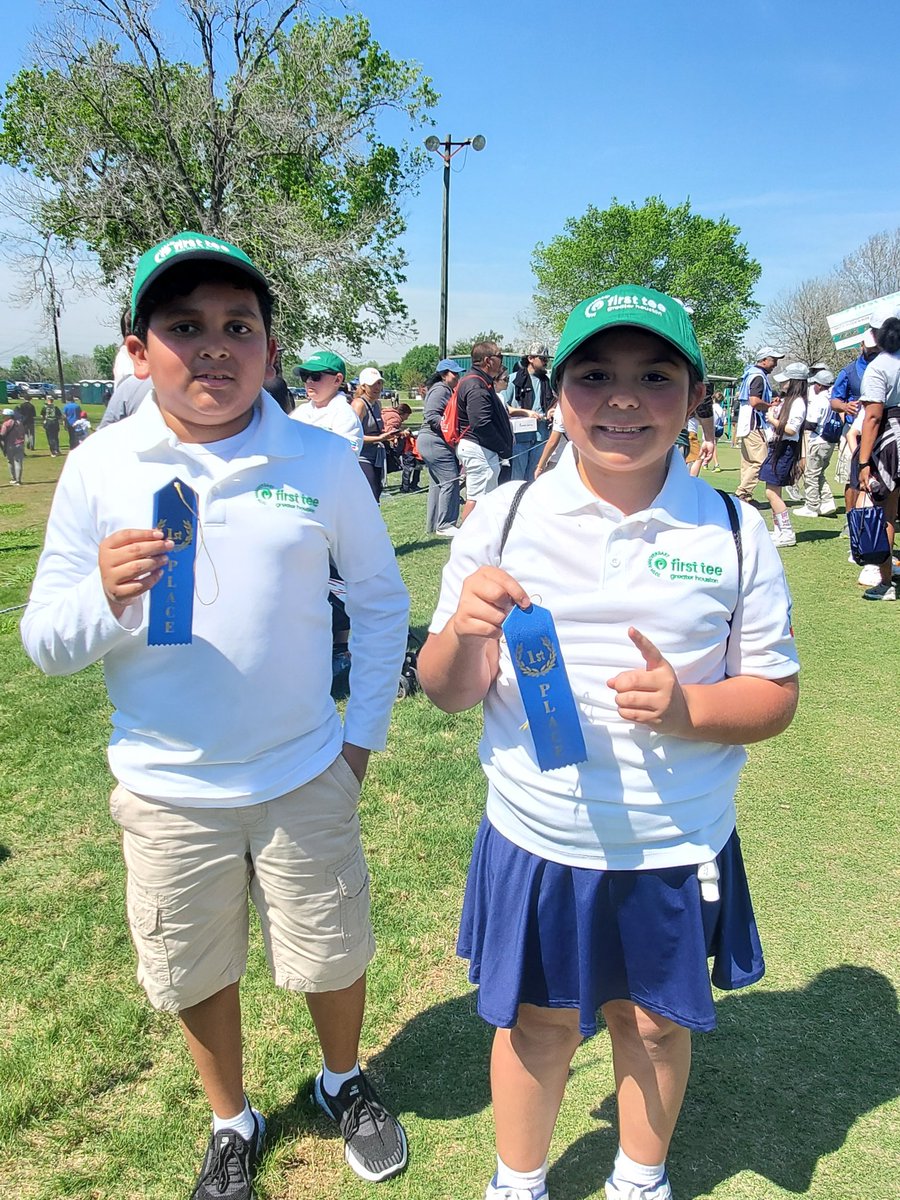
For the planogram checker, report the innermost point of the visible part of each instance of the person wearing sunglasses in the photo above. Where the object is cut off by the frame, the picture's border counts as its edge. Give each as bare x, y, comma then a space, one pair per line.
486, 434
323, 373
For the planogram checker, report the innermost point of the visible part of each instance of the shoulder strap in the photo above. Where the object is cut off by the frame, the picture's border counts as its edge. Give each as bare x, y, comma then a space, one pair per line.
511, 514
735, 522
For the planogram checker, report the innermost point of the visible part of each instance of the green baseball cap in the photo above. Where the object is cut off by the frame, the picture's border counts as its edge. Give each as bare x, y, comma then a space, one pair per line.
627, 305
184, 247
322, 360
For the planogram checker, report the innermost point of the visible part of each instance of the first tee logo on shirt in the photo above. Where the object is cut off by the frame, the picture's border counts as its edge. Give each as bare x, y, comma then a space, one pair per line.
271, 496
664, 565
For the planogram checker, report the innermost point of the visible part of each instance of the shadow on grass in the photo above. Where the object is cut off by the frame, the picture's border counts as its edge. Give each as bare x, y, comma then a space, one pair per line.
5, 853
777, 1087
411, 547
817, 535
435, 1067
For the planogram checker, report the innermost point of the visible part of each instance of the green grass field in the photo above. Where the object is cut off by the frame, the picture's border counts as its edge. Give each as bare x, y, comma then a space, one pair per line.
796, 1094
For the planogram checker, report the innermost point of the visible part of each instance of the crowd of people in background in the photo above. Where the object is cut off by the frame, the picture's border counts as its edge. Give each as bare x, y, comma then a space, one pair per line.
788, 424
788, 435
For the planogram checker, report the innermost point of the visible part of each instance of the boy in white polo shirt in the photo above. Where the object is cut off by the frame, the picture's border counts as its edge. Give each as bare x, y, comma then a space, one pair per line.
326, 405
188, 548
607, 882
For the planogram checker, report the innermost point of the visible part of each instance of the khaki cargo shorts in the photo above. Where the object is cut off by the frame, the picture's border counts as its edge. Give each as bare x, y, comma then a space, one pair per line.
191, 872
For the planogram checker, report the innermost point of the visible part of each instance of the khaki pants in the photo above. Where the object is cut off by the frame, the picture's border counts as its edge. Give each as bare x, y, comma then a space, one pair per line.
818, 493
754, 448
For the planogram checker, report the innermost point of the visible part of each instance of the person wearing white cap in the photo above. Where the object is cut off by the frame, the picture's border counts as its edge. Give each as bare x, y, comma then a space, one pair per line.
755, 396
529, 398
879, 443
784, 457
824, 425
366, 404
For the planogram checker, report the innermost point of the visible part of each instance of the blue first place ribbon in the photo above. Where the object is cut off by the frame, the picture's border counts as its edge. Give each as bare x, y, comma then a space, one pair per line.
172, 598
544, 686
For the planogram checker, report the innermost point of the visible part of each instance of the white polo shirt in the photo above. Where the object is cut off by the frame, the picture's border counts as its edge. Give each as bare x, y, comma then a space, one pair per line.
337, 415
642, 799
818, 406
243, 713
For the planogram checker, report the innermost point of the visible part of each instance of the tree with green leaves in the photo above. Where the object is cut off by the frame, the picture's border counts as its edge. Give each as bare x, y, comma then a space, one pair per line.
266, 133
672, 249
391, 373
418, 364
104, 357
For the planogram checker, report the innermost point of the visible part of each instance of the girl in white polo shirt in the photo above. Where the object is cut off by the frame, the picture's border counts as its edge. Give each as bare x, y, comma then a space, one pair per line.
608, 883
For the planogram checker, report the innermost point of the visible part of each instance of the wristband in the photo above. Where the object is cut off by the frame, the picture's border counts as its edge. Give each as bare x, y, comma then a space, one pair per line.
867, 463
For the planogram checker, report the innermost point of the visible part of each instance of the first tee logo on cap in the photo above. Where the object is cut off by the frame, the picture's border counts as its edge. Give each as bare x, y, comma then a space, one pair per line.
613, 303
182, 247
179, 245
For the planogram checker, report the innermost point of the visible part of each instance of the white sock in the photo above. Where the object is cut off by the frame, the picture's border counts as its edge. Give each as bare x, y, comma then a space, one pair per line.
507, 1177
626, 1170
244, 1123
333, 1081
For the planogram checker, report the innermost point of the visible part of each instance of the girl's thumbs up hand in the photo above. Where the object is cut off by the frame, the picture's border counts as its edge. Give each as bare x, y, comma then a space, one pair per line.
652, 695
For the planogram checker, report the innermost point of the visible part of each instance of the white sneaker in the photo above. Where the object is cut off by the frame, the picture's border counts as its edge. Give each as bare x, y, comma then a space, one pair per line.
804, 511
631, 1191
869, 576
447, 531
828, 509
793, 493
785, 537
510, 1193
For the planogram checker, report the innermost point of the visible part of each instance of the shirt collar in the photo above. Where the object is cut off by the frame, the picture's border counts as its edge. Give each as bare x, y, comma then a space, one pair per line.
272, 439
675, 505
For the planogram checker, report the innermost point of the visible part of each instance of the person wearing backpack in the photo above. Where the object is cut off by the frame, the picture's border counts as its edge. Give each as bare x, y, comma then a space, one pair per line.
437, 454
486, 434
825, 424
12, 438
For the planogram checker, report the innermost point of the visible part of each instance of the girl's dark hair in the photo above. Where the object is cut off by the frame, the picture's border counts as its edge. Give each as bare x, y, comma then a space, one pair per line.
181, 280
795, 390
888, 336
435, 378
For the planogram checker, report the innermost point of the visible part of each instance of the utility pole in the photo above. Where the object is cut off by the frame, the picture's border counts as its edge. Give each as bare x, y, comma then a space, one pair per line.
446, 149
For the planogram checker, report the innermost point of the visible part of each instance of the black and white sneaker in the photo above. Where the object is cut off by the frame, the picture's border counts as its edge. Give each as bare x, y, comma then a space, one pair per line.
374, 1141
230, 1165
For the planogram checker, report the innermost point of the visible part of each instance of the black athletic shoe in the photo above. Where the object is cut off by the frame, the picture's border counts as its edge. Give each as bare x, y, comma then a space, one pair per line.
374, 1141
230, 1165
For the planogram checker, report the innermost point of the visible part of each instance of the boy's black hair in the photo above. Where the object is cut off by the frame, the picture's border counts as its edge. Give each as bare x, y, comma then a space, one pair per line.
183, 279
888, 336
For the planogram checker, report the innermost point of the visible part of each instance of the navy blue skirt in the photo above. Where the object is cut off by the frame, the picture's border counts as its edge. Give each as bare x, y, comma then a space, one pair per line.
781, 461
536, 932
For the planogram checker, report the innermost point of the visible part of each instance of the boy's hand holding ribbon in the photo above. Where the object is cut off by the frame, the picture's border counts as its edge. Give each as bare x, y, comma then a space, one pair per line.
131, 561
652, 696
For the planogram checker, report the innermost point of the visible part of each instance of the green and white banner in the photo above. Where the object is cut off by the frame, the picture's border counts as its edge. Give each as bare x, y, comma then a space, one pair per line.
847, 327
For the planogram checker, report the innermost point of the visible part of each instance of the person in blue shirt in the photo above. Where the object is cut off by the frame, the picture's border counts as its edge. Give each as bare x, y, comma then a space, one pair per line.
71, 413
845, 398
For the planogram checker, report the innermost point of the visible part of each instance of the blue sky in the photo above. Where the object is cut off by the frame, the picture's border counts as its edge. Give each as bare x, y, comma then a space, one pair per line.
779, 115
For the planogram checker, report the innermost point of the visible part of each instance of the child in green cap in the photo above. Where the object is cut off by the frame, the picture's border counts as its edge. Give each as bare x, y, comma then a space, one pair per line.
188, 548
607, 884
